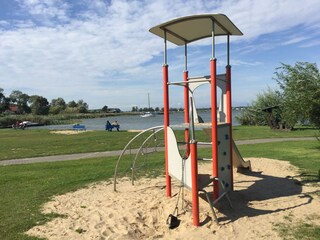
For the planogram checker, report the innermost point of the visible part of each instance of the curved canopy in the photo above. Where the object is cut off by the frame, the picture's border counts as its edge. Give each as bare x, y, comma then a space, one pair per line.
192, 28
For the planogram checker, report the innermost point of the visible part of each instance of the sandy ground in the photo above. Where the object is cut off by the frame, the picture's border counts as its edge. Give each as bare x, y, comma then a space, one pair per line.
68, 132
270, 194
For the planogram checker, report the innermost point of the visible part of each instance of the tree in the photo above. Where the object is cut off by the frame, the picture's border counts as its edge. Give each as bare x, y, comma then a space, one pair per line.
82, 106
39, 105
72, 104
264, 110
296, 101
105, 109
57, 106
21, 99
298, 84
4, 102
315, 110
134, 109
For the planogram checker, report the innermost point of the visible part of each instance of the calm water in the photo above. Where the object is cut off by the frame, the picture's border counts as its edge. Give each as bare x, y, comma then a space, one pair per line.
128, 122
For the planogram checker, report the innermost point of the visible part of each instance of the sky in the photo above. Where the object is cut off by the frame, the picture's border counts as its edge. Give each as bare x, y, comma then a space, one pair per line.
101, 51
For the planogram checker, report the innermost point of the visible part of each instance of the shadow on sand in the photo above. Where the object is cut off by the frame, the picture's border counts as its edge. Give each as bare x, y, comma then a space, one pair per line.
262, 187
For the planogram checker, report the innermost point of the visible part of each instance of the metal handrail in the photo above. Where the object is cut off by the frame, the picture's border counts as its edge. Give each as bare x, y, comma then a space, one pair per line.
125, 149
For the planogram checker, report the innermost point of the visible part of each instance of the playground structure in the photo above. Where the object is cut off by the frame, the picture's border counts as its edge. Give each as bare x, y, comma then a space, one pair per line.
181, 32
225, 155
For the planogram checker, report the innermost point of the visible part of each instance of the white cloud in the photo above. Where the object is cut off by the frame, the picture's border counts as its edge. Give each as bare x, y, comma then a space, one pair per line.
310, 44
98, 50
48, 9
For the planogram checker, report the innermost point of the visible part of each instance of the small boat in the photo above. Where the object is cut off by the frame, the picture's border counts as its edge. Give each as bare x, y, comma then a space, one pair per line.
147, 114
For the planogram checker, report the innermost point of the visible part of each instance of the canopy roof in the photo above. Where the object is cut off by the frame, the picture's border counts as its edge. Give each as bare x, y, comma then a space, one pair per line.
192, 28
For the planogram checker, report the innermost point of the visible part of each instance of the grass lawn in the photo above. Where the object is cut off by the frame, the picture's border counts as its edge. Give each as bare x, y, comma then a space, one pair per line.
256, 132
303, 154
35, 142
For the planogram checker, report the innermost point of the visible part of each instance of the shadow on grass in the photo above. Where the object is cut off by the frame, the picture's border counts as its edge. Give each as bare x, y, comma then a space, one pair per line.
308, 178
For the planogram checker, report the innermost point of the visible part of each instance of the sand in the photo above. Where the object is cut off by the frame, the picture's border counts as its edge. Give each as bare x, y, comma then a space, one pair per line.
269, 195
68, 132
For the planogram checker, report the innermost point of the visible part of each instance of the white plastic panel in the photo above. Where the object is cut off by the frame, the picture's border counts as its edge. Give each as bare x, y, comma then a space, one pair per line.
178, 167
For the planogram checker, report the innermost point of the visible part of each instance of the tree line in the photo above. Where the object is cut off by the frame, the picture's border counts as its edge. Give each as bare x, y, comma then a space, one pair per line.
22, 103
295, 101
39, 105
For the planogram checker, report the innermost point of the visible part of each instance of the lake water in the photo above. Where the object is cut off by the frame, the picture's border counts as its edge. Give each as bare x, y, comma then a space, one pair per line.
129, 122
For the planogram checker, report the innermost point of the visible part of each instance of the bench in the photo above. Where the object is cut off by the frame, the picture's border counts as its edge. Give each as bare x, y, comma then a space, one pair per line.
79, 127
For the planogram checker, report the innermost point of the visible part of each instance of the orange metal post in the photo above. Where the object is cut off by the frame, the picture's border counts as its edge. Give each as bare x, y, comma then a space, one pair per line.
166, 124
213, 69
228, 88
186, 112
194, 177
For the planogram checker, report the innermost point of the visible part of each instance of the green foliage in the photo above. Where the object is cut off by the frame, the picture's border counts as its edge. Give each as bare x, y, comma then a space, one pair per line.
39, 105
21, 99
296, 101
299, 84
57, 106
315, 109
4, 102
79, 107
104, 109
255, 114
8, 120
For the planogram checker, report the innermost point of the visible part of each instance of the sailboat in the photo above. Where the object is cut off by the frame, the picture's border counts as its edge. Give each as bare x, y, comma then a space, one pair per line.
147, 114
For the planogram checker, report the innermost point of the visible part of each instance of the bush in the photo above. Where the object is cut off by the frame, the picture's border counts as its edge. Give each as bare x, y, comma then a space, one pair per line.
258, 114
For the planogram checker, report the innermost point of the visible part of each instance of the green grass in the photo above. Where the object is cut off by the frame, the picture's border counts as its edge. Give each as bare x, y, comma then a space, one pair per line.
256, 132
303, 154
291, 229
35, 143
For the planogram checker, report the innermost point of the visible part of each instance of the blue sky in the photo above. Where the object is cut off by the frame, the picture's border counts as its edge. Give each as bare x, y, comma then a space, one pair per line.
102, 52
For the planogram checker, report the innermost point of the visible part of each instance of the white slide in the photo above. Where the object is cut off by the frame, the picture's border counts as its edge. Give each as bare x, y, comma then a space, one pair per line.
238, 161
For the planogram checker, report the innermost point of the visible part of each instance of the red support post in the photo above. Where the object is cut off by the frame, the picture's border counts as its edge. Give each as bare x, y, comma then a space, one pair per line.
194, 178
213, 71
186, 112
229, 116
228, 91
166, 124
